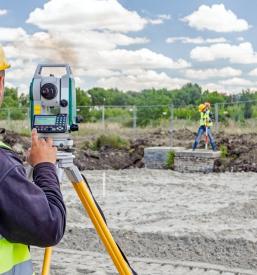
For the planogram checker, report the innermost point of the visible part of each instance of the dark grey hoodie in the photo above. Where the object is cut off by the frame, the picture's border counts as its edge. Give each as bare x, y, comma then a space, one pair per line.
31, 213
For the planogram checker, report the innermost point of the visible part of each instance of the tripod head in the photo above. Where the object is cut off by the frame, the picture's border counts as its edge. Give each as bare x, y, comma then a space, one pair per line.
53, 110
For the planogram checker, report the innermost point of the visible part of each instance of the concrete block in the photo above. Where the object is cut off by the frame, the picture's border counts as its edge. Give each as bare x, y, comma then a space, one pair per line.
186, 160
195, 161
155, 157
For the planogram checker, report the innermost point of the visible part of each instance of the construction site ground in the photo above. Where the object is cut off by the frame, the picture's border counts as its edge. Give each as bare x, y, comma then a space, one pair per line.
239, 150
166, 223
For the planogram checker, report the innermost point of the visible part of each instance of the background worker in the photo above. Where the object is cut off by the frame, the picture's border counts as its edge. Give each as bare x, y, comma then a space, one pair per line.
205, 121
31, 213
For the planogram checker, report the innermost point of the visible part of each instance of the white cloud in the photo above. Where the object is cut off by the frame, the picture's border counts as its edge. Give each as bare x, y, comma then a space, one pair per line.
253, 72
86, 15
216, 18
160, 20
3, 12
143, 58
12, 34
236, 81
156, 21
214, 87
137, 80
164, 16
96, 40
212, 73
91, 44
97, 73
96, 32
240, 38
195, 40
242, 53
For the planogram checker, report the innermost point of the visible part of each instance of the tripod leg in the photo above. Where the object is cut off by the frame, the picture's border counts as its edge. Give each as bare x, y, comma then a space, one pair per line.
98, 221
47, 261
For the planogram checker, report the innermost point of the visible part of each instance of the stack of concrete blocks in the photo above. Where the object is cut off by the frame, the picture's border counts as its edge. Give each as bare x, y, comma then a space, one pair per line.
185, 160
195, 161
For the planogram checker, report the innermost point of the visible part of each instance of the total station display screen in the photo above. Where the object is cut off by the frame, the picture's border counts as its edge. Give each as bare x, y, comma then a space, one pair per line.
45, 120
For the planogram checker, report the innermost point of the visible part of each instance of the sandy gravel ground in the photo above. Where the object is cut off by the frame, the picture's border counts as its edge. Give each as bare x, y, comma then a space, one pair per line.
161, 218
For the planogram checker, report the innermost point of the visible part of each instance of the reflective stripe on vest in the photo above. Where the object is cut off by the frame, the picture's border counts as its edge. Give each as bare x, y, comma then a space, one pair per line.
205, 119
2, 145
14, 257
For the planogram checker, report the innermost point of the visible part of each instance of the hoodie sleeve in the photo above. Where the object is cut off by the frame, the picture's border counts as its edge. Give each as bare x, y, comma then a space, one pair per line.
32, 213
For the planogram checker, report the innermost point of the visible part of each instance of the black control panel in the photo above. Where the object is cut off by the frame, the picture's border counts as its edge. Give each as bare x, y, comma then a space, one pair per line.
50, 123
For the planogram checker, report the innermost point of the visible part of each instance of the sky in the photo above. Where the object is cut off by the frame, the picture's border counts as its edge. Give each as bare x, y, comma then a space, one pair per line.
134, 44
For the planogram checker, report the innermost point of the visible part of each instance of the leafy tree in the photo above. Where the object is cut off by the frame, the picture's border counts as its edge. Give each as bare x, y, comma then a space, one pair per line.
248, 110
83, 100
10, 98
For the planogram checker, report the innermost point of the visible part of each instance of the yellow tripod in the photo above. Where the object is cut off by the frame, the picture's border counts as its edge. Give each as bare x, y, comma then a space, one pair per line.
65, 163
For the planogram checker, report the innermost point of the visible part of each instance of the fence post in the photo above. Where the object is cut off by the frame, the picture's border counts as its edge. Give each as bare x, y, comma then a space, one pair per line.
134, 117
217, 117
103, 117
171, 124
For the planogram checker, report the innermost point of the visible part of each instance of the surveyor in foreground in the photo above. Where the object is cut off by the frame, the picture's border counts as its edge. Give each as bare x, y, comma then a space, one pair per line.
30, 213
205, 125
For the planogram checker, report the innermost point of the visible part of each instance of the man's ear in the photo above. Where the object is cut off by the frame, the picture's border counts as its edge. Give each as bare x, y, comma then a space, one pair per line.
1, 88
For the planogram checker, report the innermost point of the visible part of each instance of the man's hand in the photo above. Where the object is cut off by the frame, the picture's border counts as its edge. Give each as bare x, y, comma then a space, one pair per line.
41, 150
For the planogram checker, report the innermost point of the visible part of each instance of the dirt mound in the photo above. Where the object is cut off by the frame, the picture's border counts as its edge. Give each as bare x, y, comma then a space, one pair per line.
240, 150
20, 144
241, 153
109, 158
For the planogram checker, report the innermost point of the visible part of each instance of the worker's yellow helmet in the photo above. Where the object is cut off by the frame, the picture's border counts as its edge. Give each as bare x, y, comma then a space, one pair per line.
3, 62
201, 107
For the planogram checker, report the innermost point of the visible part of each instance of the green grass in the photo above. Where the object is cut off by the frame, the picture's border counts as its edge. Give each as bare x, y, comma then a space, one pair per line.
111, 141
223, 151
170, 159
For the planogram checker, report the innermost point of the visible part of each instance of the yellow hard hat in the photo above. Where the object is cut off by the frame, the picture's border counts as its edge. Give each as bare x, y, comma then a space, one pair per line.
3, 62
201, 107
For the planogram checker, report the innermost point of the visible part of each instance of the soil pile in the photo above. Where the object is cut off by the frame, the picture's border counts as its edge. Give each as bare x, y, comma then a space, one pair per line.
239, 151
20, 144
239, 154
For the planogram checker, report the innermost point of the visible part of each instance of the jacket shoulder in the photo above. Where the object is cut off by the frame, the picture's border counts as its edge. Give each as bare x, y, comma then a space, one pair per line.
8, 160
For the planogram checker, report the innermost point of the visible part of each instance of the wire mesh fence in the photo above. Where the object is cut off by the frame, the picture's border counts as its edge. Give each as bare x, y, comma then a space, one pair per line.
236, 117
15, 119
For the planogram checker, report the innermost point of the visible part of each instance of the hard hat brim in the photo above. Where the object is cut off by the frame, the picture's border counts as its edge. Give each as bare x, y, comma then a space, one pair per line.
5, 67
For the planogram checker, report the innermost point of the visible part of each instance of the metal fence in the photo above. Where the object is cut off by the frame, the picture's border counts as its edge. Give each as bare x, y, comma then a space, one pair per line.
234, 117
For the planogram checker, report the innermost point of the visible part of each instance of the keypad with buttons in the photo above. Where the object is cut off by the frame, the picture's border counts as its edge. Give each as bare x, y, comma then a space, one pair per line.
60, 125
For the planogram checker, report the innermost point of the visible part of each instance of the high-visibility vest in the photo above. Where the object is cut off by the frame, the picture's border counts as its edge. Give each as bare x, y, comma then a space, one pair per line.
205, 119
15, 258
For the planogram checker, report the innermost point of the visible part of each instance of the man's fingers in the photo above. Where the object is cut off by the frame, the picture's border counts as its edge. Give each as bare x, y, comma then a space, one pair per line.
34, 137
28, 154
42, 141
49, 142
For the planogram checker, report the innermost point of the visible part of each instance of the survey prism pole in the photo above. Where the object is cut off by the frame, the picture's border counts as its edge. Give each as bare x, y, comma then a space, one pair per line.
206, 138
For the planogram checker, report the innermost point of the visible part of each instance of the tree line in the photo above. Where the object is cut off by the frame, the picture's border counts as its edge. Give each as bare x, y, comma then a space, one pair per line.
184, 101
